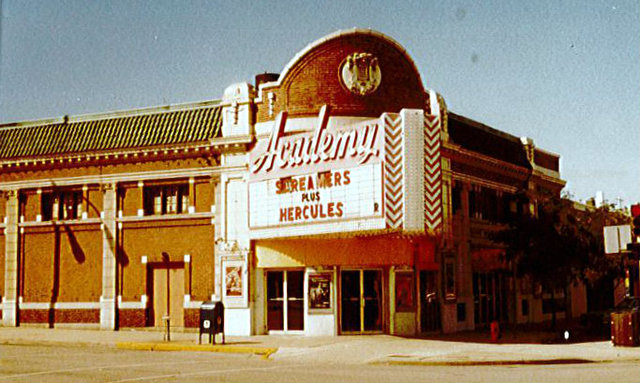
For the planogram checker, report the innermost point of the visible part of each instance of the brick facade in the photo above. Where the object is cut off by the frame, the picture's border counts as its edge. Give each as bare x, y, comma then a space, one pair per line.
149, 215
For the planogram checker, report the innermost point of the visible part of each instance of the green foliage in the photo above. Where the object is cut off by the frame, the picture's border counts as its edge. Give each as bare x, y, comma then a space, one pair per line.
560, 243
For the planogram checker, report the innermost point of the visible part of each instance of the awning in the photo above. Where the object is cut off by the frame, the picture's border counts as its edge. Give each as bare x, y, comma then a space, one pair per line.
371, 252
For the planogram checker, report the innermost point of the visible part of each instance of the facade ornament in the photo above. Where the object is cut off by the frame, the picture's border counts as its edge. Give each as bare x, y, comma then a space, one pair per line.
107, 187
235, 109
360, 73
272, 102
231, 246
529, 148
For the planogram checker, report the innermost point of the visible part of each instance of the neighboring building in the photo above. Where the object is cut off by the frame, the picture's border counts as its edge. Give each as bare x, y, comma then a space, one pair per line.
340, 196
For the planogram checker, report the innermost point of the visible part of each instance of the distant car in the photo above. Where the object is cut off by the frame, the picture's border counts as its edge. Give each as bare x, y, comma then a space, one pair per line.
628, 304
599, 322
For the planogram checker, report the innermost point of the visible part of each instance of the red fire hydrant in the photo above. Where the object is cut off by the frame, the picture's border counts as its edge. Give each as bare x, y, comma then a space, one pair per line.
495, 331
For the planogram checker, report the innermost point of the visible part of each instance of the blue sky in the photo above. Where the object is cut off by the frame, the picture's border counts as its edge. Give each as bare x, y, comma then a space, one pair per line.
566, 73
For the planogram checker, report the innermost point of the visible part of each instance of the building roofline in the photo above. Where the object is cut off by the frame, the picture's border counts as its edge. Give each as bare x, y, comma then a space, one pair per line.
548, 152
112, 114
335, 35
497, 132
484, 127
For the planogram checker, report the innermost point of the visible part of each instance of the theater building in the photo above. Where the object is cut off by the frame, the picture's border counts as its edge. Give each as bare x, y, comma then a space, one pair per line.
340, 196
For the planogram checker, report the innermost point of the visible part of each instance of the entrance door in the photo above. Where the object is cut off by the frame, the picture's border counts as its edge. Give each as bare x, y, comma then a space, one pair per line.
285, 300
168, 295
429, 303
490, 297
361, 309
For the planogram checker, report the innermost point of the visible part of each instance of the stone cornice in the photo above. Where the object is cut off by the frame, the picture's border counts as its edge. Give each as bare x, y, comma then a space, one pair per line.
457, 153
125, 177
212, 147
483, 182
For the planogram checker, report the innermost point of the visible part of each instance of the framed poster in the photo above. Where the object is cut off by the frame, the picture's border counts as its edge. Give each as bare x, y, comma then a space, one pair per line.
320, 291
233, 280
234, 287
405, 291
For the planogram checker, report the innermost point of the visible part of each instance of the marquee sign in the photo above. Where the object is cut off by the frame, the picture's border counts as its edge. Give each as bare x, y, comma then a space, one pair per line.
326, 148
333, 173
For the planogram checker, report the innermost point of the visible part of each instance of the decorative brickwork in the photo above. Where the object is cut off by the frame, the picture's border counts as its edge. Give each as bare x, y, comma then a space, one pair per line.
312, 79
191, 318
393, 194
432, 173
132, 318
60, 316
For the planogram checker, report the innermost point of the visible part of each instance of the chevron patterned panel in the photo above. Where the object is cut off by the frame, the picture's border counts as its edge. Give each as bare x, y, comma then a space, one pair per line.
393, 194
432, 174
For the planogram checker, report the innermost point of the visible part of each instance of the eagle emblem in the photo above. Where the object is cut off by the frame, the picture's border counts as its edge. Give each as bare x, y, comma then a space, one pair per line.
360, 73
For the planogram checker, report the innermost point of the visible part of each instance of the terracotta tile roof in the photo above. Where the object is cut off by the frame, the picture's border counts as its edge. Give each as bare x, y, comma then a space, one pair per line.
92, 135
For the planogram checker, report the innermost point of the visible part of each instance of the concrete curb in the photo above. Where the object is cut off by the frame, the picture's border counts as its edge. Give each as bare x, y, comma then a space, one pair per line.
51, 343
264, 352
454, 363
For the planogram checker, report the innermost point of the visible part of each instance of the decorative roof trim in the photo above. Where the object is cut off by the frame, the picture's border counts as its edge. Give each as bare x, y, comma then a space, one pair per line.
117, 154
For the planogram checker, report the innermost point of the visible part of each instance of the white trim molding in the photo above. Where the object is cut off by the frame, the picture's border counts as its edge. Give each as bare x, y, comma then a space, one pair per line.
60, 305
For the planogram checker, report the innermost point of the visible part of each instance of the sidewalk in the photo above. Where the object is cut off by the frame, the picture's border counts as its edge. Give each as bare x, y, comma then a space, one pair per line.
456, 349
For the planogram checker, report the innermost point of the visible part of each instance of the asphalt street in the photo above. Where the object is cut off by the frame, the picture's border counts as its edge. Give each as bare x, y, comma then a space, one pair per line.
104, 364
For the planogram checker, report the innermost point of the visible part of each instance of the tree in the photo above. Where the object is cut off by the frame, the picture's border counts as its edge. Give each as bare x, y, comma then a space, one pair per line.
556, 244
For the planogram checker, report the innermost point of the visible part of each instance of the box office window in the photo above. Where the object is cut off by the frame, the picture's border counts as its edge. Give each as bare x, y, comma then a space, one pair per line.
60, 205
166, 199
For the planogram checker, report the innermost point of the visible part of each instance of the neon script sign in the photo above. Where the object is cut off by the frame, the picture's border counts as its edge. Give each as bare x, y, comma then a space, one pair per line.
358, 142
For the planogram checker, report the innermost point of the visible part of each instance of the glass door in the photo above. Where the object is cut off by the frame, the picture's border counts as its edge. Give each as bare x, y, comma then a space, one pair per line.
351, 301
295, 300
490, 297
275, 300
285, 300
429, 303
372, 300
361, 309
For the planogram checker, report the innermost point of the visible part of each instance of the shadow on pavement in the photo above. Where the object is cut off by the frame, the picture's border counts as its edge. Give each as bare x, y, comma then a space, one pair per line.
516, 337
